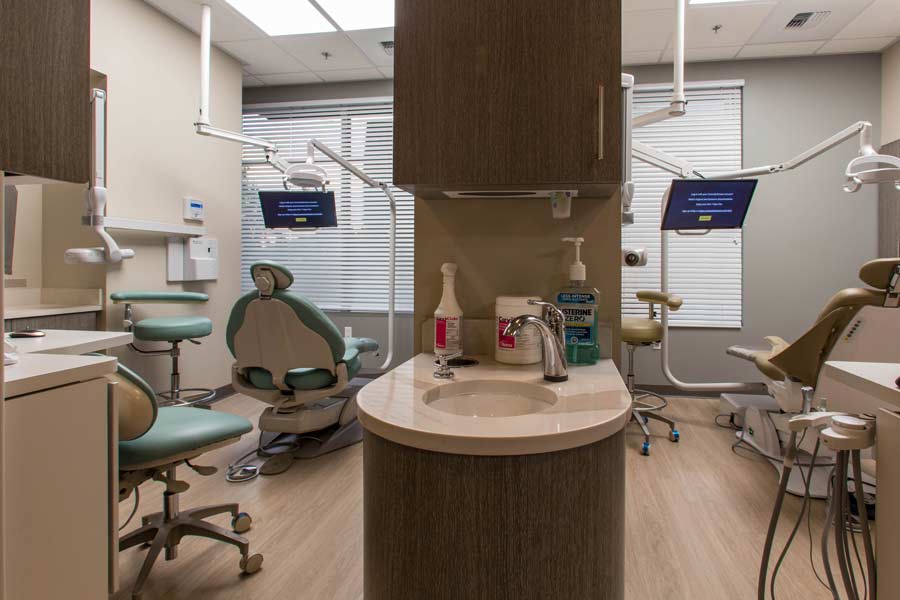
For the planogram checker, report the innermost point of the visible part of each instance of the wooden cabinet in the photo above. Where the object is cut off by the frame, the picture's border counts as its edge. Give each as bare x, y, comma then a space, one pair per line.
500, 95
45, 118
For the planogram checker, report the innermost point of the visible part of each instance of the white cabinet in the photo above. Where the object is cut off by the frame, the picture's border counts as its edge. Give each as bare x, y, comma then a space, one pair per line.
59, 508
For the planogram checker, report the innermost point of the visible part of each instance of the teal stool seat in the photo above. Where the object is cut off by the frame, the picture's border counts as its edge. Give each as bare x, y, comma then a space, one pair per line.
170, 329
314, 379
180, 430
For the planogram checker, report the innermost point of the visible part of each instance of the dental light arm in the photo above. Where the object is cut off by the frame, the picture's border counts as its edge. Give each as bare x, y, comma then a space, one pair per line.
95, 197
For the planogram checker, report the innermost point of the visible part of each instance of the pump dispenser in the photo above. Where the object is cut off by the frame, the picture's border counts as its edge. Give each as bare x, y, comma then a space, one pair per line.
578, 303
448, 316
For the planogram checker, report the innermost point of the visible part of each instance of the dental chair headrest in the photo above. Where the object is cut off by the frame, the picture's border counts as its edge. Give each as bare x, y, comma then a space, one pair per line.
876, 273
269, 276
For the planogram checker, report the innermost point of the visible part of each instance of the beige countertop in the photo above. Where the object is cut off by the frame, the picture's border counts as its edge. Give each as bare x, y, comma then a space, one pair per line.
594, 404
62, 341
875, 379
36, 372
28, 303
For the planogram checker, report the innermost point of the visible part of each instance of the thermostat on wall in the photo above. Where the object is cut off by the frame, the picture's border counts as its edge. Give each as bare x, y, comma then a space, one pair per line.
193, 209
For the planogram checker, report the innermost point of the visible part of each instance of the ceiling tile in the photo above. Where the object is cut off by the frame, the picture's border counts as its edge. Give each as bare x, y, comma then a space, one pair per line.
387, 72
369, 41
228, 25
646, 57
773, 28
647, 30
737, 23
351, 75
702, 54
309, 49
633, 5
773, 50
289, 78
856, 45
881, 19
251, 81
262, 56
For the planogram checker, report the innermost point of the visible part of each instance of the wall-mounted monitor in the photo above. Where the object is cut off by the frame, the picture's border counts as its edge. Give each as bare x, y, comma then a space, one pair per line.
298, 210
707, 203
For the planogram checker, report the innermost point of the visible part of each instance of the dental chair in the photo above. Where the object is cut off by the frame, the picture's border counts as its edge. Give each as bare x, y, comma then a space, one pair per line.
153, 442
857, 324
637, 332
290, 355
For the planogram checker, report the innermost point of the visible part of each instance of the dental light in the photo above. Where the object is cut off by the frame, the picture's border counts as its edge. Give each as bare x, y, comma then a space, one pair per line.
95, 198
300, 175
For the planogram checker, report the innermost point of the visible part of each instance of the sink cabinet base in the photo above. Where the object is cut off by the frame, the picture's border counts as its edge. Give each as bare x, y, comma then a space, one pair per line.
450, 526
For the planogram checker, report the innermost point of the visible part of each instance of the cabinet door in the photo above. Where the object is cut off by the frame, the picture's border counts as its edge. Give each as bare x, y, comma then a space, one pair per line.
44, 90
57, 493
500, 93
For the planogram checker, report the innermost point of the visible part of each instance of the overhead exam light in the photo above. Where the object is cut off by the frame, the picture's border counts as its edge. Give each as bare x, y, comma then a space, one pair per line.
305, 175
95, 198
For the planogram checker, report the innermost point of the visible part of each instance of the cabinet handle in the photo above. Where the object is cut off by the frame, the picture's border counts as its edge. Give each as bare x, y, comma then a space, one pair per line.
600, 124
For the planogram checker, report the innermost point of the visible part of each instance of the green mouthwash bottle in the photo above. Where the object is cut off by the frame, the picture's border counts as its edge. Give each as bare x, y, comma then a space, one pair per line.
578, 302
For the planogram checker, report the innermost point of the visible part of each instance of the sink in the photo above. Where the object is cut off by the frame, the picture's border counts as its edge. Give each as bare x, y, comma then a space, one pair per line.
484, 398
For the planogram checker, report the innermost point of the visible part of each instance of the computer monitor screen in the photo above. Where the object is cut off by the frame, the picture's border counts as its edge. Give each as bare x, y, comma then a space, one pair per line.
708, 203
298, 210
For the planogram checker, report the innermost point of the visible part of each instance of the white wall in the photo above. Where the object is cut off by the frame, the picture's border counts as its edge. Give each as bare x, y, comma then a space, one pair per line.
155, 158
890, 94
804, 238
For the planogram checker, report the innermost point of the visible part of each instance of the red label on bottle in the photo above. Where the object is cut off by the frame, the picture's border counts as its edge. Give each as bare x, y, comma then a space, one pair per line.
507, 342
440, 333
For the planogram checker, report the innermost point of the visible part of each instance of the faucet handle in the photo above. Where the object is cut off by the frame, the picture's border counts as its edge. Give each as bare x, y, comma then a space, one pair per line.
552, 313
443, 370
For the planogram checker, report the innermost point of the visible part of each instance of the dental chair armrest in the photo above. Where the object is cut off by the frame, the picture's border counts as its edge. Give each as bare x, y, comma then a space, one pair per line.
777, 343
158, 297
673, 301
361, 345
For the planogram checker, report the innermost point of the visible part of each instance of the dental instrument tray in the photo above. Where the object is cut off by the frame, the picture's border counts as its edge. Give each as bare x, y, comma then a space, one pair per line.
298, 209
707, 203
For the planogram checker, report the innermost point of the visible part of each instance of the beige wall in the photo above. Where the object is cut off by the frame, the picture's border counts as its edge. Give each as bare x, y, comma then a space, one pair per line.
27, 245
890, 94
513, 247
155, 158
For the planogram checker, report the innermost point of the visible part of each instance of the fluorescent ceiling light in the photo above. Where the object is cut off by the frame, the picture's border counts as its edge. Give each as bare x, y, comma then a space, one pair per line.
360, 14
283, 17
721, 1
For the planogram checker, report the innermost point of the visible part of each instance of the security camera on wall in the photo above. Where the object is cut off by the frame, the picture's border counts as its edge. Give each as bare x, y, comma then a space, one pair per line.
634, 257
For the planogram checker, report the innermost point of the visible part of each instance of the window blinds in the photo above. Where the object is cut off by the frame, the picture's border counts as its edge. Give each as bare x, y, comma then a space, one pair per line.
706, 271
343, 268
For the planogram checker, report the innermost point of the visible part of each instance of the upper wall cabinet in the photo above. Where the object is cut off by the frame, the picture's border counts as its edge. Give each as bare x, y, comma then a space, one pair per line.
495, 95
45, 117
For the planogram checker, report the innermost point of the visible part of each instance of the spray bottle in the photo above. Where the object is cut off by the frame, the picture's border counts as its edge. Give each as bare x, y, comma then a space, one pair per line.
578, 303
448, 316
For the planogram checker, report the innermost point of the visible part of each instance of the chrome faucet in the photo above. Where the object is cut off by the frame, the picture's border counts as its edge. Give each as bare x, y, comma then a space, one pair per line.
553, 334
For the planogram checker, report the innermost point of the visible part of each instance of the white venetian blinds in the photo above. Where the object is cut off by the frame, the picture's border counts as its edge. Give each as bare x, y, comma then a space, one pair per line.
704, 270
343, 268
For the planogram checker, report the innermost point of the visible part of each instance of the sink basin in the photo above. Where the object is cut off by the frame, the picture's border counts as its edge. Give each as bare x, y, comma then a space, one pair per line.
483, 398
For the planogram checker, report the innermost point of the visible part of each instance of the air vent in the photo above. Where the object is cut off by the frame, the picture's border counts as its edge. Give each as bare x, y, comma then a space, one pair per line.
388, 47
807, 20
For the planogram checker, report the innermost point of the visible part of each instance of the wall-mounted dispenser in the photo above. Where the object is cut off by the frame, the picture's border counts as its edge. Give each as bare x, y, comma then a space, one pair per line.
192, 259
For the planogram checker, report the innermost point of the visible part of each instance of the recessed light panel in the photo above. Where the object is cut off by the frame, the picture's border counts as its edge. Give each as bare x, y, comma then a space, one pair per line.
283, 17
720, 1
360, 14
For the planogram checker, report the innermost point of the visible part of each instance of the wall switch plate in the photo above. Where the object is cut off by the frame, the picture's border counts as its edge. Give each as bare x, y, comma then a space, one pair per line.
194, 209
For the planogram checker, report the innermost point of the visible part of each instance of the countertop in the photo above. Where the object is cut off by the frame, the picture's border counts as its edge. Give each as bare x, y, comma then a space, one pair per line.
36, 372
594, 404
875, 379
48, 310
61, 341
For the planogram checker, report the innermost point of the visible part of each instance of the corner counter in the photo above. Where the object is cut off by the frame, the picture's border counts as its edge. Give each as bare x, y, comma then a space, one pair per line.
521, 506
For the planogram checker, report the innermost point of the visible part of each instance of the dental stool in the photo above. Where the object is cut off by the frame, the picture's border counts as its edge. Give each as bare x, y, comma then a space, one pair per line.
172, 330
290, 355
638, 332
152, 443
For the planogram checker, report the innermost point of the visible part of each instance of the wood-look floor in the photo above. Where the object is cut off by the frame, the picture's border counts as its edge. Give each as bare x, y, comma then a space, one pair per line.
696, 520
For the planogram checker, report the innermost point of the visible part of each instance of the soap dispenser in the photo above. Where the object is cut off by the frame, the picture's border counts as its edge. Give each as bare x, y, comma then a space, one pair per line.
578, 303
448, 316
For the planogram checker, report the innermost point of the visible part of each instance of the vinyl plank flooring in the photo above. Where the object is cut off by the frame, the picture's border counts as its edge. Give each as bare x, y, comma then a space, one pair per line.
696, 518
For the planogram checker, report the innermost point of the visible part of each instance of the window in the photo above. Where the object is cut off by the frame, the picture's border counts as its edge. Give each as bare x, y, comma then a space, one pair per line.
704, 270
343, 268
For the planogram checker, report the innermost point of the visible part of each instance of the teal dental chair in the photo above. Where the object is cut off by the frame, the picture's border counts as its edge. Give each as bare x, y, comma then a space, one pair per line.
152, 443
172, 330
289, 354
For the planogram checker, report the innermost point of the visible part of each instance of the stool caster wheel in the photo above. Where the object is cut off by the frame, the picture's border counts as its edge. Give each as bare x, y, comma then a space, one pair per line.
251, 564
645, 448
674, 436
241, 523
646, 419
